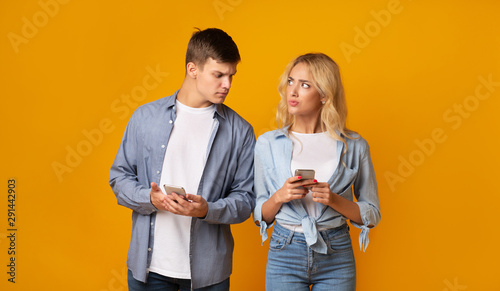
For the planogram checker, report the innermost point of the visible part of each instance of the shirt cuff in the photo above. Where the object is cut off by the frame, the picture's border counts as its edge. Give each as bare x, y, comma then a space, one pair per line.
364, 240
263, 230
212, 215
147, 207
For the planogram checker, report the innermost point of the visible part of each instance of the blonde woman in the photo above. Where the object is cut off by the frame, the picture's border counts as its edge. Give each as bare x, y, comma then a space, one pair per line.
310, 246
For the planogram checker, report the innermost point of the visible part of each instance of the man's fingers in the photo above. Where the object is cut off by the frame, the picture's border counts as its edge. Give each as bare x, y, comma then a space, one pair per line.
193, 197
155, 186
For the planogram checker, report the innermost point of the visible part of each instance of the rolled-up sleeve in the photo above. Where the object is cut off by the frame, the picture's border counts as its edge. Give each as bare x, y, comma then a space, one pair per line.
261, 185
366, 193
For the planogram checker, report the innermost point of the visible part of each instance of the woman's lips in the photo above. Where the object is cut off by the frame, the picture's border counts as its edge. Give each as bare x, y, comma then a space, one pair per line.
293, 103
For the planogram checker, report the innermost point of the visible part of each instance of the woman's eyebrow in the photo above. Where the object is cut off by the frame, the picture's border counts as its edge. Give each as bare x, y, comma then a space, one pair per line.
300, 80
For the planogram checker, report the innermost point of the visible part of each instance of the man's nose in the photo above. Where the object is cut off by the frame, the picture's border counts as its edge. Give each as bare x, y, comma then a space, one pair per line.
226, 83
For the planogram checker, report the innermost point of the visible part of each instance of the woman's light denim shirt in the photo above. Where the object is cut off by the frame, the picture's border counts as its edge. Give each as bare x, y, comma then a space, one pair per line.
354, 175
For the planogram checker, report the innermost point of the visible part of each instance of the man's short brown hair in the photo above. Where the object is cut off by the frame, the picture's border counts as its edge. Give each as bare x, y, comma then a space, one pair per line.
211, 43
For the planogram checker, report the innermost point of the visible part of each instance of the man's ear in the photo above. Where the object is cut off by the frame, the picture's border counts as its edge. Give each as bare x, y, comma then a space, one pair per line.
192, 70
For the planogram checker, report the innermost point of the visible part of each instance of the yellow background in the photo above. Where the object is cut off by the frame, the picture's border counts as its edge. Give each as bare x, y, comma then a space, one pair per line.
414, 74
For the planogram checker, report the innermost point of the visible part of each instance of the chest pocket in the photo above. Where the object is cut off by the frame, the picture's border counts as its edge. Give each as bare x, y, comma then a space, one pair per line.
343, 182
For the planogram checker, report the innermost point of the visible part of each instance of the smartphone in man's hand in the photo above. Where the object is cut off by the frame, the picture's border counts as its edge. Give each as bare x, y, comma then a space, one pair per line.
175, 189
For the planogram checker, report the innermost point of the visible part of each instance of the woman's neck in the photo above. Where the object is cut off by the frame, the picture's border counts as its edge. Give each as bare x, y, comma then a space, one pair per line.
306, 126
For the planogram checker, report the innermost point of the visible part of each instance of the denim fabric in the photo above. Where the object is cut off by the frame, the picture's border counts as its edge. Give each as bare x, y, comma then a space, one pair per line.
158, 282
354, 175
293, 265
226, 184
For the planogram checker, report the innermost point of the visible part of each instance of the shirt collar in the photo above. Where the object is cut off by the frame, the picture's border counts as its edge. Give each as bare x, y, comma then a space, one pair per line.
220, 110
284, 132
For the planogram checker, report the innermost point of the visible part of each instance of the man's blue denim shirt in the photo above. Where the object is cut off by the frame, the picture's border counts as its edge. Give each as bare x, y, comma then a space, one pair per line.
354, 173
226, 184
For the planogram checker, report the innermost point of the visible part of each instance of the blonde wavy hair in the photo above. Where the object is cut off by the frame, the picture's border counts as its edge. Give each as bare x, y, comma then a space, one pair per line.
326, 80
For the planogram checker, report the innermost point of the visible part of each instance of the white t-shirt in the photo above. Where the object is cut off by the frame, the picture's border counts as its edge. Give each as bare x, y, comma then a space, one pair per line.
183, 166
317, 151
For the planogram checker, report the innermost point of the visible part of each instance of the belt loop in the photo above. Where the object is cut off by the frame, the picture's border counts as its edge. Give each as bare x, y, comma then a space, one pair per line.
290, 236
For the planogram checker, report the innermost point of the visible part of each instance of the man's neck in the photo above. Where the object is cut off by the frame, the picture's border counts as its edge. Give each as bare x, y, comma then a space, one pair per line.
190, 97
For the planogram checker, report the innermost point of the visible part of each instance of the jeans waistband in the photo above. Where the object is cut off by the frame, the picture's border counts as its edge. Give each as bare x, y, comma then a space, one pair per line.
284, 232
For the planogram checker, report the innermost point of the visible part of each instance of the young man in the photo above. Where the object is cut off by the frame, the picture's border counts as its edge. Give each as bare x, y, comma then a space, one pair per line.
191, 140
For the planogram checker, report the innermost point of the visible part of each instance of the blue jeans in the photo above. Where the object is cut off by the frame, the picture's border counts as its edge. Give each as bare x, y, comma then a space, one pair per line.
157, 282
292, 265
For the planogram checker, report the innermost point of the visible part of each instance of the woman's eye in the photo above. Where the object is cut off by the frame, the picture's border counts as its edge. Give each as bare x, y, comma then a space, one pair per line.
304, 85
290, 82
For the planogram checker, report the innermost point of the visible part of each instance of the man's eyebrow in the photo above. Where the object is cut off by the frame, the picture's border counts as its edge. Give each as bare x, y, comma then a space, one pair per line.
222, 73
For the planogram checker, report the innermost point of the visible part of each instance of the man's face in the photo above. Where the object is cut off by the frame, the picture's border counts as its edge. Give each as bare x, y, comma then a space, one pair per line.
214, 81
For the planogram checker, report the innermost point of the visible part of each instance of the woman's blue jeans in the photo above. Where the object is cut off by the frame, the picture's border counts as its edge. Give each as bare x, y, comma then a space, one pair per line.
292, 265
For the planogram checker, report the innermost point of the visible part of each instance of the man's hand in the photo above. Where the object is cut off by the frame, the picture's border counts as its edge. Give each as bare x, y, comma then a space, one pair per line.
195, 205
157, 197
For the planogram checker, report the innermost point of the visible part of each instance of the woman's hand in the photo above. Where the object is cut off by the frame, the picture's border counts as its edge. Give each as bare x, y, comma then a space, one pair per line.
287, 193
321, 193
293, 189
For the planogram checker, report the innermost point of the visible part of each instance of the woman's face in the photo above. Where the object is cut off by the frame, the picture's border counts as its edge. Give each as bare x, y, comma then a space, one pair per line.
302, 98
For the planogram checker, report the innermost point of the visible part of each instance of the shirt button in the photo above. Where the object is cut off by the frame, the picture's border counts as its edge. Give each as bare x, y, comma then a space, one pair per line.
157, 172
149, 249
151, 224
162, 146
170, 121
